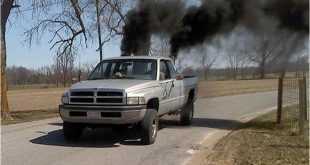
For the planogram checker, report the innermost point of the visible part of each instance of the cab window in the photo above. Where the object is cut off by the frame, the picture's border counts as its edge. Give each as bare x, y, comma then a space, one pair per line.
172, 70
164, 71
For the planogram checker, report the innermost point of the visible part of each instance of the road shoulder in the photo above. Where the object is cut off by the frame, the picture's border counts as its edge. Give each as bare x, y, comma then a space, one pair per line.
22, 126
212, 138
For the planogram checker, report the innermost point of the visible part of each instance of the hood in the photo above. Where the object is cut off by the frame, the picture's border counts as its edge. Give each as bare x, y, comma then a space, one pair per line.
121, 84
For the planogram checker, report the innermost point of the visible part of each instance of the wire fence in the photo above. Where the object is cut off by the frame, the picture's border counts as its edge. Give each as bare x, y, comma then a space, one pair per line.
294, 103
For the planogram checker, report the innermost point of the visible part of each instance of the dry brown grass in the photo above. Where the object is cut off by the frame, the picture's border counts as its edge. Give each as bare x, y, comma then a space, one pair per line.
31, 86
234, 87
34, 99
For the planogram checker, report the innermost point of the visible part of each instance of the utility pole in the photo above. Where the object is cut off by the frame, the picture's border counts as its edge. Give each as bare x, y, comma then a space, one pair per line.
99, 29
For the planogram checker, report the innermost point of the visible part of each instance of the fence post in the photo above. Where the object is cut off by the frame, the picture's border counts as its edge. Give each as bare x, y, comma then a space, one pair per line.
280, 96
305, 97
302, 89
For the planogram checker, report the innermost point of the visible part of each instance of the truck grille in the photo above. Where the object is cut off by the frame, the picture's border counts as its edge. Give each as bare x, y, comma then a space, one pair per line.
81, 100
97, 97
109, 93
82, 93
109, 100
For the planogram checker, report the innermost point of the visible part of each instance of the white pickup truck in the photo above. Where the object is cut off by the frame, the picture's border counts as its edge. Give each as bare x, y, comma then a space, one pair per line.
128, 91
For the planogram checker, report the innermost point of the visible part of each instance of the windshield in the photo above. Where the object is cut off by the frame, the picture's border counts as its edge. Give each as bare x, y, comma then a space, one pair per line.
140, 69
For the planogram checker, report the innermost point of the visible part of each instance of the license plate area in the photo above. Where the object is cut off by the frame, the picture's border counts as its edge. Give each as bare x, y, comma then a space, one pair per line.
111, 114
93, 115
77, 114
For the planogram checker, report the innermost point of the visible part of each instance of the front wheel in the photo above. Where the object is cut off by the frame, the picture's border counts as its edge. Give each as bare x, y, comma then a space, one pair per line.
187, 114
149, 127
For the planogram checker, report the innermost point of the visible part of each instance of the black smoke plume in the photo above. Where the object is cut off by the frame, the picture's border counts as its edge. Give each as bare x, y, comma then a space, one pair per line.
197, 24
137, 32
205, 21
150, 17
291, 14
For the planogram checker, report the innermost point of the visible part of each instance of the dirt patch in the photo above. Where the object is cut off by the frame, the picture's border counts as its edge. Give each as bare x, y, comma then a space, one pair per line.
260, 141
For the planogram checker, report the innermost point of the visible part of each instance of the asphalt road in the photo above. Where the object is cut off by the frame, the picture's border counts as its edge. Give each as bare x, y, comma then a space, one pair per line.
41, 142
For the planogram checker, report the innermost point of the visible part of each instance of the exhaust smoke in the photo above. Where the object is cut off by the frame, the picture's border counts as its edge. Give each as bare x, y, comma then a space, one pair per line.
191, 26
150, 17
203, 22
291, 14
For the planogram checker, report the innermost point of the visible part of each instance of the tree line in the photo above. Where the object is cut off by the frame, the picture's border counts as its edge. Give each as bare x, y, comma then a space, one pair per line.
51, 75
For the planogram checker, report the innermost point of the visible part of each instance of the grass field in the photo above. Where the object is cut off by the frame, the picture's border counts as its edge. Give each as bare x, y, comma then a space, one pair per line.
32, 86
261, 141
233, 87
34, 99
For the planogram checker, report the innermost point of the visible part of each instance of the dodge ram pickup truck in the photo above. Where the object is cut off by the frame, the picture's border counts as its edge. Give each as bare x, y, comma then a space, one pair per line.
128, 91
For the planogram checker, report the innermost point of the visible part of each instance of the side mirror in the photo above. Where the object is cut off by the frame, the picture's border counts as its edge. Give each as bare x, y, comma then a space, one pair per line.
179, 77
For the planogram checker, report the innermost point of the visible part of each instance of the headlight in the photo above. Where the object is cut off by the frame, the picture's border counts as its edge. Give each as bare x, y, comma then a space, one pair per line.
65, 98
135, 100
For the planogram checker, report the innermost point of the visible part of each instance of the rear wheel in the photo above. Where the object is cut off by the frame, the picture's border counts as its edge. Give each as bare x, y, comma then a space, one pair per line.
187, 114
149, 127
72, 131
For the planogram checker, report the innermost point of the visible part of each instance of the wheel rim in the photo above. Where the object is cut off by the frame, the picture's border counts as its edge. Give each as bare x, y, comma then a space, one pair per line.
154, 128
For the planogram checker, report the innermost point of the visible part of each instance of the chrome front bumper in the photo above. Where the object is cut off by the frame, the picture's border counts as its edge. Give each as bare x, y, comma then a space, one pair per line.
102, 114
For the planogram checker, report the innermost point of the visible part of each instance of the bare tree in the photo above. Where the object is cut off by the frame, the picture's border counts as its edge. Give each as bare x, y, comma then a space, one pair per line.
236, 59
70, 30
264, 47
65, 66
67, 27
87, 68
293, 45
234, 52
57, 71
234, 63
109, 20
208, 58
200, 58
113, 14
6, 7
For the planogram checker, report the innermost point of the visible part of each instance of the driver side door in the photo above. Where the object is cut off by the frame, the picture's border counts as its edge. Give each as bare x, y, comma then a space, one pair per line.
168, 90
